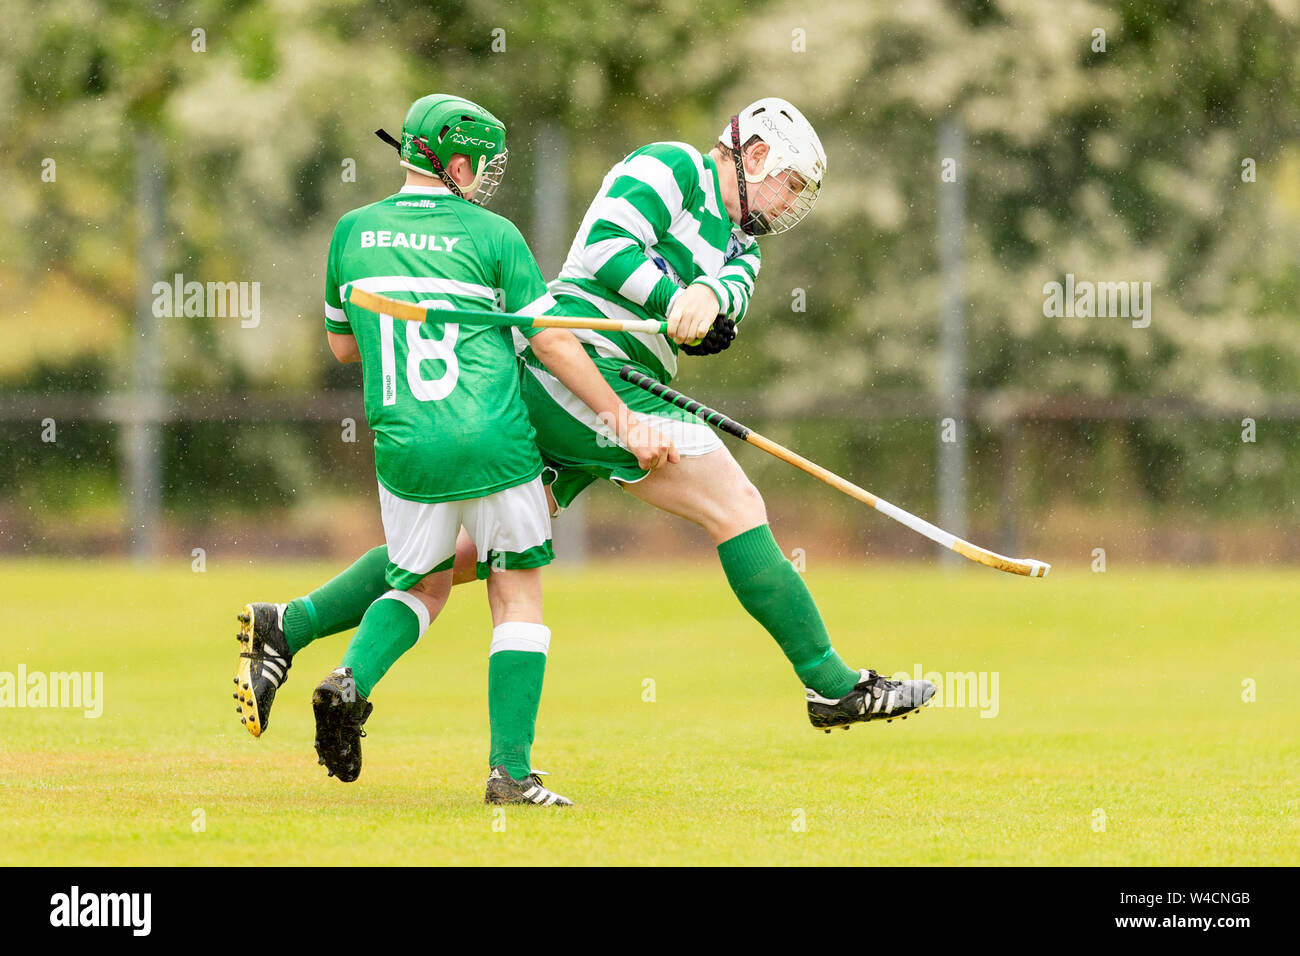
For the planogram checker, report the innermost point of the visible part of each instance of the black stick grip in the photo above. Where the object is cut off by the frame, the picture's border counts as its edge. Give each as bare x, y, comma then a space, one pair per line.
718, 420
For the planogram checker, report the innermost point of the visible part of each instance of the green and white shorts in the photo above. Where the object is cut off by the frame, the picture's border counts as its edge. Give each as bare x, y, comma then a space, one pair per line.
511, 530
579, 448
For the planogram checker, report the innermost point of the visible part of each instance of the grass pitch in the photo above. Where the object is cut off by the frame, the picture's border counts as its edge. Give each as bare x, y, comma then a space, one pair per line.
1121, 734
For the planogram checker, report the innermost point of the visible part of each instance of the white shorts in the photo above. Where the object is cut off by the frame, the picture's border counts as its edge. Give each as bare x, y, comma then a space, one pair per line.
511, 530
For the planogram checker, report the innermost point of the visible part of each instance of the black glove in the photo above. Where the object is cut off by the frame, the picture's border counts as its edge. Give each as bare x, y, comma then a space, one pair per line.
721, 335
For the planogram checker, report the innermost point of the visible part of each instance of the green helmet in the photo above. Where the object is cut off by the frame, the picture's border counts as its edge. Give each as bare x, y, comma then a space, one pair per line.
439, 126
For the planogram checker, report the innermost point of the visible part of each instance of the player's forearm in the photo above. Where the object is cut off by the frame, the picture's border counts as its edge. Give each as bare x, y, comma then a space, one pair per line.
564, 356
344, 347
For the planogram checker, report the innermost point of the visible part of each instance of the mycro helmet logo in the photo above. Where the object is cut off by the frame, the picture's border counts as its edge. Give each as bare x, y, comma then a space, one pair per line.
460, 139
773, 128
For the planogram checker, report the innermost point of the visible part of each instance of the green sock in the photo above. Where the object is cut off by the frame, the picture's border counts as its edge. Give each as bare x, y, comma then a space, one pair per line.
515, 670
389, 628
774, 594
339, 604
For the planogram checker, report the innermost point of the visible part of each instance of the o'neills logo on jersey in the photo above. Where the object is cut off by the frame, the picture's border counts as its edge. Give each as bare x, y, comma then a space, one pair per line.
385, 239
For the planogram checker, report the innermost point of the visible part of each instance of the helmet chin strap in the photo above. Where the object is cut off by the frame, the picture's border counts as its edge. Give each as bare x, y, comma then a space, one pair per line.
740, 174
445, 176
748, 224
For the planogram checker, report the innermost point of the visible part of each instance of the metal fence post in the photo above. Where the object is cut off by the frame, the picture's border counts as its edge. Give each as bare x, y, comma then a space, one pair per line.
141, 432
552, 233
952, 338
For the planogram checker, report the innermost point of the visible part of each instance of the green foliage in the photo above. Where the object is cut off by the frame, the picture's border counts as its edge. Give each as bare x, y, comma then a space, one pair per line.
1122, 165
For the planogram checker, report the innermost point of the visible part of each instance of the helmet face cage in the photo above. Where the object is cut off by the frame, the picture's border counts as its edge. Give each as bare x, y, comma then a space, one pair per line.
779, 203
489, 178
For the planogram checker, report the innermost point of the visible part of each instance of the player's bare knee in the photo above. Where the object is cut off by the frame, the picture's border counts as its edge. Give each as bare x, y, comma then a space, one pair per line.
515, 596
749, 503
733, 503
432, 592
744, 510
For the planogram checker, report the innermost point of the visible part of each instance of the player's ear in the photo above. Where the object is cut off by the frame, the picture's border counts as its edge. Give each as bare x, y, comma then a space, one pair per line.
755, 156
461, 169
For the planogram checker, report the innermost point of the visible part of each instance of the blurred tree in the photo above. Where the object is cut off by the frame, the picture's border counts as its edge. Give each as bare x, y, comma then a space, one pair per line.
1121, 163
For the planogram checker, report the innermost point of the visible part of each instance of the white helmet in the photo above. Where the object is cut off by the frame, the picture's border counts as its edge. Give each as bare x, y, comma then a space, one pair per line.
793, 149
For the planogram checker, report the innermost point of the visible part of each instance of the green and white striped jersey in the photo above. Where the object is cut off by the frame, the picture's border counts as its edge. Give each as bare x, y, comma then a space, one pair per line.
442, 399
657, 225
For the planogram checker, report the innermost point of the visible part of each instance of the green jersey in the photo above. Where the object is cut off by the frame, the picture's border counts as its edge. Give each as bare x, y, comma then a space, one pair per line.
442, 399
657, 225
